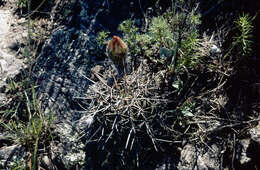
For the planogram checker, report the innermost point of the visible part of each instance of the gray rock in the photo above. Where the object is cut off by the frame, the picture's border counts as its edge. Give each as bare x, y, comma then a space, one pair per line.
3, 98
60, 73
10, 65
193, 157
10, 155
255, 133
3, 66
214, 49
188, 157
47, 163
243, 154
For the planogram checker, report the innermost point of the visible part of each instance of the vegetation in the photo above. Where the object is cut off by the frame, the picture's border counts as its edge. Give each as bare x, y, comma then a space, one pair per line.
22, 121
174, 91
32, 8
243, 39
178, 90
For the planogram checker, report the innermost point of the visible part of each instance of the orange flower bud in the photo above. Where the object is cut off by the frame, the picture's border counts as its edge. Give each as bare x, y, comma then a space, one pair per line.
117, 51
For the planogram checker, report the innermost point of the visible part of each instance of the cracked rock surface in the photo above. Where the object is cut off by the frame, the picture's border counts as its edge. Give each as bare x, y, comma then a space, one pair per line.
12, 31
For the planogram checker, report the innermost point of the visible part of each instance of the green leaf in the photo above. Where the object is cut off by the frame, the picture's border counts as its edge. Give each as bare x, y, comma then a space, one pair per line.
187, 113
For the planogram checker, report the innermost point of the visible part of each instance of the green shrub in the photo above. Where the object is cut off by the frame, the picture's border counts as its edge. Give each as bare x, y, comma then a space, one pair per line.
243, 39
102, 38
130, 35
171, 38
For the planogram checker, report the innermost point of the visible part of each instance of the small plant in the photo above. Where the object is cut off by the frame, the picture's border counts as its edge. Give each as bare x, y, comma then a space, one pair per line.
19, 165
23, 120
188, 48
243, 40
130, 32
172, 39
21, 117
33, 8
160, 31
22, 3
102, 38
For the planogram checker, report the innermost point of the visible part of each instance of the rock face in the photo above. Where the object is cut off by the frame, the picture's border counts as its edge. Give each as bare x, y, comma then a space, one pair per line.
197, 158
66, 60
11, 154
12, 31
60, 72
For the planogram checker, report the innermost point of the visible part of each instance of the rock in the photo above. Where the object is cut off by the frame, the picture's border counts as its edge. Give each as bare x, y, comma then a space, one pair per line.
193, 157
3, 66
255, 133
3, 98
67, 58
243, 154
9, 155
60, 72
47, 163
247, 152
188, 157
214, 49
10, 65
